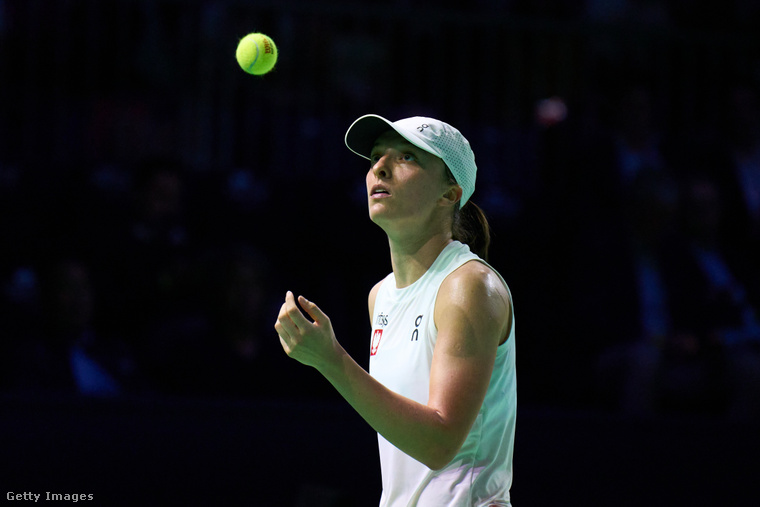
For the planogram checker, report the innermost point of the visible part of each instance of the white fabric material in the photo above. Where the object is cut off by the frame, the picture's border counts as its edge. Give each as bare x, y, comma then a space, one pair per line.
403, 341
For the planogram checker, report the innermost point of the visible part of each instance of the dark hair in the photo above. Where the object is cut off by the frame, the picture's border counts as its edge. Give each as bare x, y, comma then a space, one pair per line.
470, 225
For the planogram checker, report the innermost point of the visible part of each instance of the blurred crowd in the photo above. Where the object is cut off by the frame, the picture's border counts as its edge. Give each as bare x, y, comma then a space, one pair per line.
119, 297
631, 249
664, 257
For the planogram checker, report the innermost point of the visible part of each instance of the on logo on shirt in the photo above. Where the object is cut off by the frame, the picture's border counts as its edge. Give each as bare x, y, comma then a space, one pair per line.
416, 332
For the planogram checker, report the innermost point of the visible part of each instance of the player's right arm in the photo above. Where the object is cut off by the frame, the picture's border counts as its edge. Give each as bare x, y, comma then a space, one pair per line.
471, 319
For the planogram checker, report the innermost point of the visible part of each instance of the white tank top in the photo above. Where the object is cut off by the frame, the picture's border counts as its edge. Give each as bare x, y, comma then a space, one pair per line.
401, 353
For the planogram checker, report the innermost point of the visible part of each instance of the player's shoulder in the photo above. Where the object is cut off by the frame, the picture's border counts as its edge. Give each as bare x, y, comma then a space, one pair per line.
474, 274
373, 296
375, 289
473, 281
476, 292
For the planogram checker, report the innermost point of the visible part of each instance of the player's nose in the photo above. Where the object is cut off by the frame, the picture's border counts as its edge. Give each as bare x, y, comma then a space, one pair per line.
381, 167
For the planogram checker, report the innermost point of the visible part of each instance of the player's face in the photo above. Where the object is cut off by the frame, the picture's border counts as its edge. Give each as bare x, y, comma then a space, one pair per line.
404, 181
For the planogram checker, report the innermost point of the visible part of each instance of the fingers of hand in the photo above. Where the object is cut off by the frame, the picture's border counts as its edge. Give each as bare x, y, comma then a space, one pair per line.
285, 327
313, 310
291, 325
308, 341
295, 313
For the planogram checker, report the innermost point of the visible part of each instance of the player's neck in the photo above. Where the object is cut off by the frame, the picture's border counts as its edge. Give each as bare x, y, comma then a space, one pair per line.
412, 257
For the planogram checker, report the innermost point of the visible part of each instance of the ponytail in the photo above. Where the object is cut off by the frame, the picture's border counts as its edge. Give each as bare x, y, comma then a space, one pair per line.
471, 228
470, 225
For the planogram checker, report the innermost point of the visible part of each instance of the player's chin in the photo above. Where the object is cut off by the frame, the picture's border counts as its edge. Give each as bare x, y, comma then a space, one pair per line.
379, 212
375, 205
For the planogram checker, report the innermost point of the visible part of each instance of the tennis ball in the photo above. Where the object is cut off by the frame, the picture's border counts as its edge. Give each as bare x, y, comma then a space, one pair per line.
256, 54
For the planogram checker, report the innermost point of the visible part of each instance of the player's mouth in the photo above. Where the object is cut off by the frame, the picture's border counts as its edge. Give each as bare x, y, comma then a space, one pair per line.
379, 192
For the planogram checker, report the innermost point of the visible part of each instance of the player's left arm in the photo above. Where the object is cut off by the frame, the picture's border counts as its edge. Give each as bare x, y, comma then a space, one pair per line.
472, 315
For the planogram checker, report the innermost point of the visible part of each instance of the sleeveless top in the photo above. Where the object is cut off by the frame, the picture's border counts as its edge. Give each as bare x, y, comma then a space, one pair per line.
401, 353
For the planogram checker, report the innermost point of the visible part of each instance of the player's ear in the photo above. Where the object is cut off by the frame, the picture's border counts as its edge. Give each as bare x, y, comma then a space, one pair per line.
452, 195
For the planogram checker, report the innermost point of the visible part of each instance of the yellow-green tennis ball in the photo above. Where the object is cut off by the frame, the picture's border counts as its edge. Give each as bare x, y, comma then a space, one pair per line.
256, 53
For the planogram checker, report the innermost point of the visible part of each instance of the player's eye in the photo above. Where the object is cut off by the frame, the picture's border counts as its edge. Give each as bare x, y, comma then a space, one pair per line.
408, 157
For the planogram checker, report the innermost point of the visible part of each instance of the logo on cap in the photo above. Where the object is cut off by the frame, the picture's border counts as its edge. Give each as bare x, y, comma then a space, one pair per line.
423, 127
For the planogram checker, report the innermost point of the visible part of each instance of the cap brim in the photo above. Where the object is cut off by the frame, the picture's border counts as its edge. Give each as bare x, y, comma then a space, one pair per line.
362, 134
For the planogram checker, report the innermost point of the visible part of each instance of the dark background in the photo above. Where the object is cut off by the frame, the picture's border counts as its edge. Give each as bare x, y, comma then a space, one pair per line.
156, 202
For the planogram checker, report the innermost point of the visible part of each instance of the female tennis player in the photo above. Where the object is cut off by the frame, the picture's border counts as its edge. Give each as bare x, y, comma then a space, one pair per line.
441, 386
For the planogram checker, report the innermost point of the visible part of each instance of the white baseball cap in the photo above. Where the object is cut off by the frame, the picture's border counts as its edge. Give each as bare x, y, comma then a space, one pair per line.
429, 134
